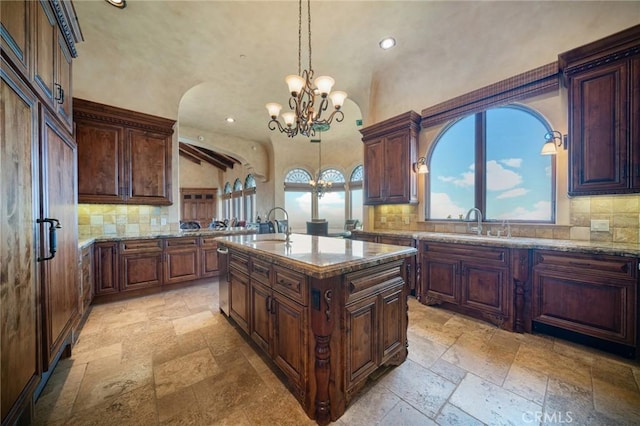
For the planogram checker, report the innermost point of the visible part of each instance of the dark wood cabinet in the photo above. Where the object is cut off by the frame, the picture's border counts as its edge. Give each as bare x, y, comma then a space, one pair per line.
140, 264
198, 204
239, 290
106, 268
397, 240
181, 259
124, 157
604, 145
39, 297
86, 279
593, 295
60, 289
20, 365
208, 257
470, 279
390, 149
375, 323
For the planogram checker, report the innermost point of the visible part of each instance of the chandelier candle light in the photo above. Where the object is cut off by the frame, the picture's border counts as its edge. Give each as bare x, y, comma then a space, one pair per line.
308, 100
319, 186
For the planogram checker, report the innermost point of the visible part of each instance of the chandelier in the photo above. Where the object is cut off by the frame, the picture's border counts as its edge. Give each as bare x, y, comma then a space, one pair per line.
319, 186
308, 100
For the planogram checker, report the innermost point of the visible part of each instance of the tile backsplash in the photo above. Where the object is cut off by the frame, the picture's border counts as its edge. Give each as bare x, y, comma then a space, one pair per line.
621, 211
118, 219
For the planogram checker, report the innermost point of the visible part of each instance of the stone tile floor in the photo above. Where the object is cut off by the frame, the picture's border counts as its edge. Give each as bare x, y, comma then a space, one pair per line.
173, 359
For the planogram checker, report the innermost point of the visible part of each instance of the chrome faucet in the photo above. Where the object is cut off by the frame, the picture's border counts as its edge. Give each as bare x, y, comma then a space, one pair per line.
506, 222
287, 232
478, 228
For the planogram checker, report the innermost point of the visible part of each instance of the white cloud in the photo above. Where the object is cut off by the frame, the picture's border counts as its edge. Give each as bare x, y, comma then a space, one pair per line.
442, 206
541, 211
466, 179
512, 162
512, 193
501, 179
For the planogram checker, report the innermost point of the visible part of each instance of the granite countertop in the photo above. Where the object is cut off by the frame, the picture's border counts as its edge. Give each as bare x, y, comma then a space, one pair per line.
319, 257
84, 242
576, 246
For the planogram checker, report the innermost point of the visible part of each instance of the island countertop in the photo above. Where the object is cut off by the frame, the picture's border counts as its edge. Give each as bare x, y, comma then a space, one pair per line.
319, 257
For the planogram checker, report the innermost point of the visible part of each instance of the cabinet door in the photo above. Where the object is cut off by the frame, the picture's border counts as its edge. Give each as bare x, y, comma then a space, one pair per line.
45, 41
239, 298
397, 169
440, 275
106, 267
261, 315
100, 162
140, 270
63, 83
149, 168
393, 323
60, 289
362, 339
599, 131
181, 263
208, 257
634, 121
585, 303
15, 34
19, 288
87, 278
289, 338
374, 172
483, 288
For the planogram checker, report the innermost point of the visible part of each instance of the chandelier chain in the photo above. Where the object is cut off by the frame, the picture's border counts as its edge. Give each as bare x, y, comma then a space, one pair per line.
309, 23
299, 38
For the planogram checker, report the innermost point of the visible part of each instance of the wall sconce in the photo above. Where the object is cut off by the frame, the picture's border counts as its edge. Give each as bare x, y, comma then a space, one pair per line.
420, 166
553, 139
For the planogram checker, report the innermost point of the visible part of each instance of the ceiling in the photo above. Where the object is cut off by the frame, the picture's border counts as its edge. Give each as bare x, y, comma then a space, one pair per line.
202, 61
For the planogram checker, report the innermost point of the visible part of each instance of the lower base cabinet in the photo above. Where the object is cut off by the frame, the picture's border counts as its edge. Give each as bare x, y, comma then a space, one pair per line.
139, 266
326, 335
594, 296
473, 280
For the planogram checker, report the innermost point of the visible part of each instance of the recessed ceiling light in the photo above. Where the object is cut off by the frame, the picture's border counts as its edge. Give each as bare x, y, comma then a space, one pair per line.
120, 4
230, 120
387, 43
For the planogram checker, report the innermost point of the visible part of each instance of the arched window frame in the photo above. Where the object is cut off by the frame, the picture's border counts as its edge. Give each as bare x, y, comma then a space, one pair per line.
226, 200
355, 210
480, 160
249, 198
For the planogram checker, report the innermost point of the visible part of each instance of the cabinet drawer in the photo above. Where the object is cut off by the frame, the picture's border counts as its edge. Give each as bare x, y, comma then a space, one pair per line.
494, 255
128, 246
611, 266
239, 262
208, 241
291, 284
181, 242
396, 241
261, 271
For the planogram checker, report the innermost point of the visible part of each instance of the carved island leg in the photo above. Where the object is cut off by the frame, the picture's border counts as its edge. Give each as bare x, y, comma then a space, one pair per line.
322, 317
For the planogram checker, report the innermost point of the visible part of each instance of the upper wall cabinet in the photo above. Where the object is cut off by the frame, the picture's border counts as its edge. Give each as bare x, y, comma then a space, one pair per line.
124, 157
390, 149
603, 81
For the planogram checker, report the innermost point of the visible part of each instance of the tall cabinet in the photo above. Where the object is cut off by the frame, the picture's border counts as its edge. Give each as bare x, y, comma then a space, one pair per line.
390, 149
603, 81
38, 213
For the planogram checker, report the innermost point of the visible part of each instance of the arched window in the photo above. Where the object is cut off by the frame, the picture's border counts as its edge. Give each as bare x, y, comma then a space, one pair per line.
491, 160
332, 204
236, 200
249, 197
226, 201
297, 198
355, 193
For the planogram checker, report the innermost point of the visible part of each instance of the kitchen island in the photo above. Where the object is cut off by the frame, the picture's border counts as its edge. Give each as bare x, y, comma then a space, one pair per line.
327, 311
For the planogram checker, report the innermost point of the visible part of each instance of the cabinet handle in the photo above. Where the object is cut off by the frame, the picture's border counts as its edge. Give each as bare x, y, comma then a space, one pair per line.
268, 304
59, 94
53, 238
261, 270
